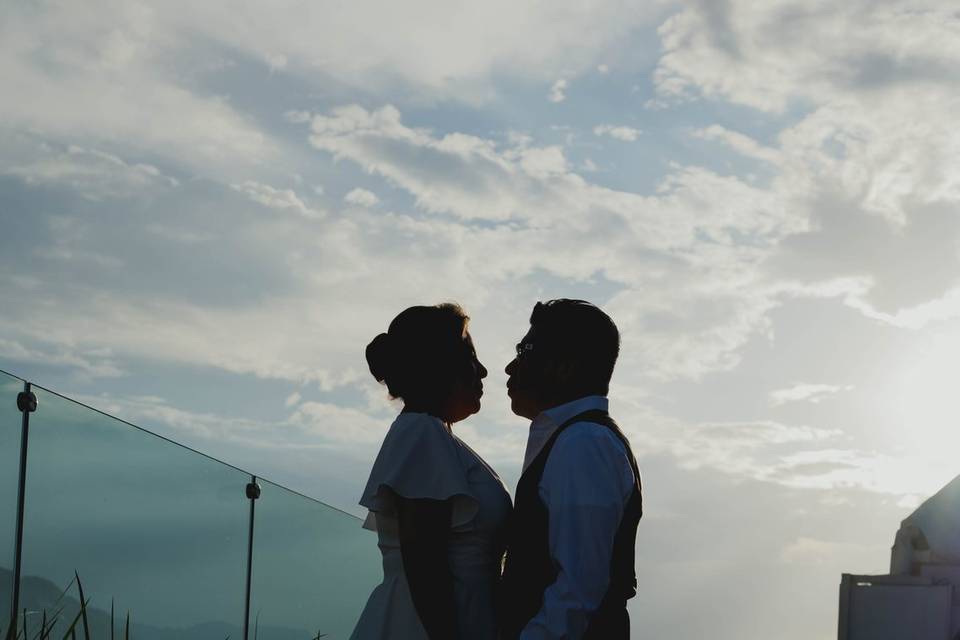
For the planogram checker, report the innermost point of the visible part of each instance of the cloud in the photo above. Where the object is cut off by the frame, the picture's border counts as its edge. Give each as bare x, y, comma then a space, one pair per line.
310, 424
755, 55
741, 143
362, 198
619, 132
695, 267
312, 45
681, 248
808, 551
747, 449
297, 117
795, 456
558, 91
805, 392
93, 173
854, 147
109, 74
675, 249
338, 424
91, 363
277, 61
279, 199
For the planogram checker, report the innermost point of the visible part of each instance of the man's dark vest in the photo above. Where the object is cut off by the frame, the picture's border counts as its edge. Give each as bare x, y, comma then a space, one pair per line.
529, 570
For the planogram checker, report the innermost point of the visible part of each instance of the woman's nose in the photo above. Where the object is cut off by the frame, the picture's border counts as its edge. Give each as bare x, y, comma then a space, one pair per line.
510, 367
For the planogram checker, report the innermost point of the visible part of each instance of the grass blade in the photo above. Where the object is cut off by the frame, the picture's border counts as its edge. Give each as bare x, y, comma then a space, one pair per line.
54, 620
65, 590
43, 627
83, 608
71, 630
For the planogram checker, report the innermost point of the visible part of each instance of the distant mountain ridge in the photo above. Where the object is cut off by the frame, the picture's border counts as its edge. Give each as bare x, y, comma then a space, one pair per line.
39, 594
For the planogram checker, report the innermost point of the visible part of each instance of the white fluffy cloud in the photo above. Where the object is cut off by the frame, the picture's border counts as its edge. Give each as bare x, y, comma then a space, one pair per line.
652, 246
95, 364
767, 56
93, 173
558, 91
108, 73
804, 392
619, 132
361, 197
279, 199
873, 137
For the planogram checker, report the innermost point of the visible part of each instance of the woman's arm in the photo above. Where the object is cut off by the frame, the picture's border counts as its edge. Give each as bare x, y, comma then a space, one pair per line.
424, 537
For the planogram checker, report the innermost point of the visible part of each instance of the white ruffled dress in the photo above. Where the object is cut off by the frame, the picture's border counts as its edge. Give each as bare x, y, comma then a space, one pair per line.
420, 458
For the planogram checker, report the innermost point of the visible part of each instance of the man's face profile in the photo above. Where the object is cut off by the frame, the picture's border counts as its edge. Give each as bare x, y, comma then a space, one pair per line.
525, 379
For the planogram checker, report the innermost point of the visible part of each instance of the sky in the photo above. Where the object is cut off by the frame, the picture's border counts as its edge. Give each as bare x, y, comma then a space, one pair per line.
209, 209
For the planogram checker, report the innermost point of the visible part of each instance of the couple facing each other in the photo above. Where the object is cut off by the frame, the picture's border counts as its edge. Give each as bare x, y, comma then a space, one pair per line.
459, 562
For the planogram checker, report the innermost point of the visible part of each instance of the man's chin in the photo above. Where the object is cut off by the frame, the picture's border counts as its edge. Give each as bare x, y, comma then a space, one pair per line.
518, 409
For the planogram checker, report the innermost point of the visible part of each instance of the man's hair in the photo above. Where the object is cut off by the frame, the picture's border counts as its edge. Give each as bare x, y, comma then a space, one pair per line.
580, 333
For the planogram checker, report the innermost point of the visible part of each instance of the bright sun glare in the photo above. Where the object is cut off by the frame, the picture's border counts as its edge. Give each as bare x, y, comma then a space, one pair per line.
928, 399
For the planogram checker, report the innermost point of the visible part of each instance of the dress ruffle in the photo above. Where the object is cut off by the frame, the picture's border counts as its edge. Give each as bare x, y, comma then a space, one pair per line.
418, 459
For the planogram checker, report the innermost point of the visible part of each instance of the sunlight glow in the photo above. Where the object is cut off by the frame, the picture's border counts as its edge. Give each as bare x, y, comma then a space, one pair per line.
927, 399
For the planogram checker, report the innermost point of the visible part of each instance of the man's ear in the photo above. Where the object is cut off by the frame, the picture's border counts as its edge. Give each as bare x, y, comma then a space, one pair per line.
559, 371
565, 371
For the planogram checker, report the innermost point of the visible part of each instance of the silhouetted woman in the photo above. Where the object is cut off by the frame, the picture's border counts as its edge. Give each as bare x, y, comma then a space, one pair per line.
437, 507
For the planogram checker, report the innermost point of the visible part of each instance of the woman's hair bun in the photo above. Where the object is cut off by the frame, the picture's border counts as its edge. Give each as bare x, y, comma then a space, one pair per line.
420, 354
380, 356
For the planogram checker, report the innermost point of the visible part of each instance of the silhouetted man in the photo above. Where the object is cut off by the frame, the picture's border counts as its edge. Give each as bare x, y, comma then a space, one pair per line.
569, 569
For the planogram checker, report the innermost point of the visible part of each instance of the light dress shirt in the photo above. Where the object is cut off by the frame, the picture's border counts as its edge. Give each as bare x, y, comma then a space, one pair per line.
585, 486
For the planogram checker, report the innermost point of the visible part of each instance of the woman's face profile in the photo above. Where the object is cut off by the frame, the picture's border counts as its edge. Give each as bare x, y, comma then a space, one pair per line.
467, 390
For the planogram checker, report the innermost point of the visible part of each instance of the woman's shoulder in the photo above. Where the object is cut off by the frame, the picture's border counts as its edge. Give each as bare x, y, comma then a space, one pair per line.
419, 459
417, 427
418, 435
410, 421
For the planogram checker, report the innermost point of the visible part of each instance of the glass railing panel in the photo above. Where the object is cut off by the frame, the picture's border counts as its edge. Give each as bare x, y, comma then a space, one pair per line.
152, 528
313, 568
10, 421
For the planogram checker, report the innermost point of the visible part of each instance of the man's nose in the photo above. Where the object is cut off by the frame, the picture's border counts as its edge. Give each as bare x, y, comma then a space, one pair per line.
483, 371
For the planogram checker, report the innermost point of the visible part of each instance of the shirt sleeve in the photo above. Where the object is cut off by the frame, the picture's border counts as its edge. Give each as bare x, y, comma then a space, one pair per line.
585, 485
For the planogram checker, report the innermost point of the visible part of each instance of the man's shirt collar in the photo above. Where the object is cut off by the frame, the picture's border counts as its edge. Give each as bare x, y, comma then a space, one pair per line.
544, 425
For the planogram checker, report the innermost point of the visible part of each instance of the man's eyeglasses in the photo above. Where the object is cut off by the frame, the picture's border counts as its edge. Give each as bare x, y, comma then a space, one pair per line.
523, 348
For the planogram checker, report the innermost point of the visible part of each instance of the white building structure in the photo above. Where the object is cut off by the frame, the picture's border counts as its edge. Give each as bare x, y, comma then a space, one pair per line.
920, 598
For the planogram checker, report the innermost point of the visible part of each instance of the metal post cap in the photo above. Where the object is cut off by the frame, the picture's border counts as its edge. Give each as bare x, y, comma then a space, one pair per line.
26, 401
253, 490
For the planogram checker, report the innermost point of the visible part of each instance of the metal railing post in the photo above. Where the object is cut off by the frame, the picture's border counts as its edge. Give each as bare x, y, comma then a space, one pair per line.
253, 494
27, 404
